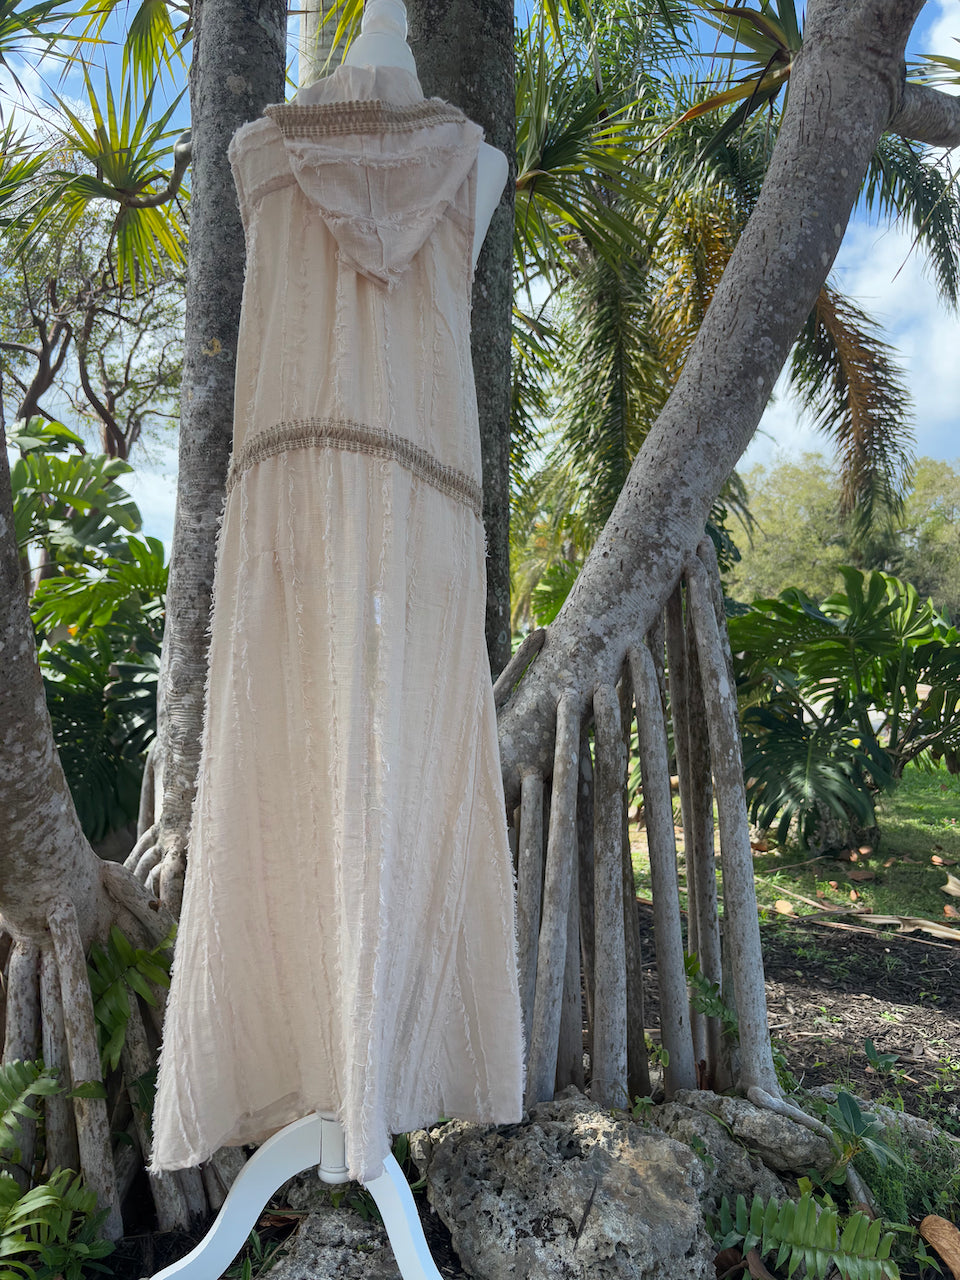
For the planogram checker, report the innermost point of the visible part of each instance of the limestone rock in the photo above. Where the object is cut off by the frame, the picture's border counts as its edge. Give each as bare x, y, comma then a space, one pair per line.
919, 1134
573, 1193
333, 1244
781, 1143
729, 1168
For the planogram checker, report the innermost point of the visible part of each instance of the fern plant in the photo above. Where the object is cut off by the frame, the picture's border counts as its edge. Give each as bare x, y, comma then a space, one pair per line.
67, 1235
117, 971
807, 1233
52, 1231
20, 1083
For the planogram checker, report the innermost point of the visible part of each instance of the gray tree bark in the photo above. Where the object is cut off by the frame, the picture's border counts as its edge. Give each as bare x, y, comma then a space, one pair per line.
56, 897
464, 53
846, 88
237, 69
44, 855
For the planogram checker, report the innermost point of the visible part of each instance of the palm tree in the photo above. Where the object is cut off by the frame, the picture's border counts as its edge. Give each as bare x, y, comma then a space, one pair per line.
627, 319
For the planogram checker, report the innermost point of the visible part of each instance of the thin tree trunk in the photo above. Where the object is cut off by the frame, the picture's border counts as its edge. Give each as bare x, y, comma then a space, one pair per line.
464, 53
609, 1059
586, 850
680, 1070
561, 864
739, 896
237, 68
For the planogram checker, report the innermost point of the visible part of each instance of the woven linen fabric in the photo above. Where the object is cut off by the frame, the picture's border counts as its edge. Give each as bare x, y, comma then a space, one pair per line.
347, 937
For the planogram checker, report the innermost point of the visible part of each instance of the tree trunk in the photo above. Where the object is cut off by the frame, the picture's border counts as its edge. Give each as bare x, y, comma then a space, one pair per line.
464, 53
56, 898
237, 69
44, 855
845, 88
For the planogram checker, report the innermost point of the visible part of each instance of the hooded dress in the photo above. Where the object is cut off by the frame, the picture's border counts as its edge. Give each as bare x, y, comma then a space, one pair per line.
347, 936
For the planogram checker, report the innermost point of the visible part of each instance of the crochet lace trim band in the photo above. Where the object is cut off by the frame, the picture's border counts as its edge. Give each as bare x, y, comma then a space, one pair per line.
340, 433
321, 119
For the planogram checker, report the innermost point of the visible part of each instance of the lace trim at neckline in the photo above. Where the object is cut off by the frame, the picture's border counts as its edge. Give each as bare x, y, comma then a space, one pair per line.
355, 437
323, 119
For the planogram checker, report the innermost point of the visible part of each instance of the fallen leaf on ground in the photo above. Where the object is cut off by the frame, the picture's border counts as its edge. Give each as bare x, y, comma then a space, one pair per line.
910, 924
854, 895
889, 862
952, 886
833, 884
845, 855
943, 862
783, 906
950, 910
759, 846
945, 1238
756, 1268
728, 1262
865, 850
861, 873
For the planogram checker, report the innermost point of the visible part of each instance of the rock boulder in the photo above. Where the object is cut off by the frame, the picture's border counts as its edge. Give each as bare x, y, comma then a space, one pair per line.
573, 1193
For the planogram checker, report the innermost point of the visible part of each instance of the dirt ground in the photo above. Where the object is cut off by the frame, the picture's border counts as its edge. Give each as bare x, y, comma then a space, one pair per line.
830, 989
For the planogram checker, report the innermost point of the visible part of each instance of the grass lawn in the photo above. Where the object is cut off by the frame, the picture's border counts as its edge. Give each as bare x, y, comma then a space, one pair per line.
903, 875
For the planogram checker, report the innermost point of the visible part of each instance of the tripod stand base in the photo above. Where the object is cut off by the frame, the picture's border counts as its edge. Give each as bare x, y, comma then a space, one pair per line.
281, 1157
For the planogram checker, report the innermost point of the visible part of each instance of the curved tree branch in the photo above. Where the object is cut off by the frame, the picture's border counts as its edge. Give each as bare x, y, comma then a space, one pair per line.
847, 84
927, 115
182, 152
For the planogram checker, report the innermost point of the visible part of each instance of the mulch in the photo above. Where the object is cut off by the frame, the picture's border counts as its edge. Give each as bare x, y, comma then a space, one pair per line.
831, 989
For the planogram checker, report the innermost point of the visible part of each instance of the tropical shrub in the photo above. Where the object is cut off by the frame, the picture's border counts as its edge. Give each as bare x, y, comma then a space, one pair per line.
841, 696
51, 1230
98, 608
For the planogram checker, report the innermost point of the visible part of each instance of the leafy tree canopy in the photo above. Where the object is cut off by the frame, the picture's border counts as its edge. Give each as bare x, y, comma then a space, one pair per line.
800, 536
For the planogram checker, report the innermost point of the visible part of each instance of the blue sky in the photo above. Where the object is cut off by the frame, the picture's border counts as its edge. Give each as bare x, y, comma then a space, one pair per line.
876, 267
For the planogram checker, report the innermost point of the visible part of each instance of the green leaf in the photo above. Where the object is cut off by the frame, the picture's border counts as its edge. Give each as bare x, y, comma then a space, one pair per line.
89, 1089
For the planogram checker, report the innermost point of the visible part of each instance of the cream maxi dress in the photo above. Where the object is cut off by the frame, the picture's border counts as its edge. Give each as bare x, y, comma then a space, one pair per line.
347, 936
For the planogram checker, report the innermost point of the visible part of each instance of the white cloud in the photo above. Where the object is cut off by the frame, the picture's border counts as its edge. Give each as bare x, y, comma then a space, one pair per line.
880, 271
944, 30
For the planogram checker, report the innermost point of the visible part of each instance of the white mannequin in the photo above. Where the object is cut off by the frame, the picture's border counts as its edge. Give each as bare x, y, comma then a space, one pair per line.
383, 43
318, 1139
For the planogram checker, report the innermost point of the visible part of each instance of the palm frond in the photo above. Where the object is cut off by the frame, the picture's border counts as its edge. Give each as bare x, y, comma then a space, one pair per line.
696, 241
902, 182
22, 26
849, 381
130, 152
545, 531
345, 16
534, 366
576, 150
155, 42
612, 386
21, 161
936, 69
765, 42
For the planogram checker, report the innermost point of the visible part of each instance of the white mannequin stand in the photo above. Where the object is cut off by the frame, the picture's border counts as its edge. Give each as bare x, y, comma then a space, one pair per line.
318, 1139
282, 1157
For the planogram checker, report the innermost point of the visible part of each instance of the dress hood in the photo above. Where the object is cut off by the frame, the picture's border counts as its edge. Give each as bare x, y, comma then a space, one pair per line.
381, 174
